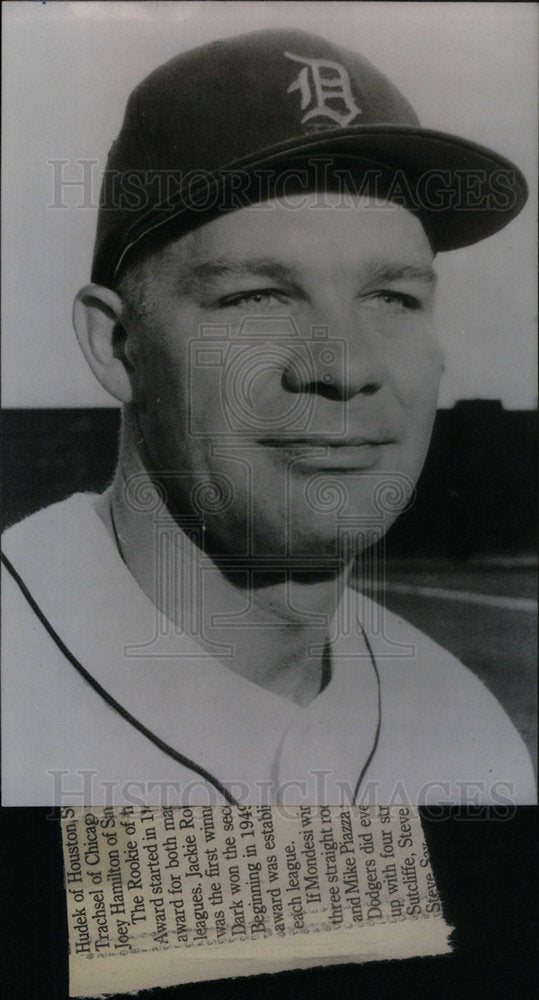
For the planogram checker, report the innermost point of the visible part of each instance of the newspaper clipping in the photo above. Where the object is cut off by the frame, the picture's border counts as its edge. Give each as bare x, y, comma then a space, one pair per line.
163, 896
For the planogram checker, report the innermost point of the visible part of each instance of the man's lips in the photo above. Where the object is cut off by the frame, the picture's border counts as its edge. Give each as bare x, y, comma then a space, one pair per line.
324, 442
349, 454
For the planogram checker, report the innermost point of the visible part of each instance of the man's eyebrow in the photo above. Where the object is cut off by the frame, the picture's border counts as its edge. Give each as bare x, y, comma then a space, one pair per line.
222, 267
374, 270
384, 271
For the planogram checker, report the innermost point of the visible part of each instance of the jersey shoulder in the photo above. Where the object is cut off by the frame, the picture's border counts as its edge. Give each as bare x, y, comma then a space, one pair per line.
74, 508
452, 718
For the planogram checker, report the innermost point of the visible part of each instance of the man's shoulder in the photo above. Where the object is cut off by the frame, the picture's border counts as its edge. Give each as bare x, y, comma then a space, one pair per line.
75, 508
437, 705
56, 552
412, 659
48, 540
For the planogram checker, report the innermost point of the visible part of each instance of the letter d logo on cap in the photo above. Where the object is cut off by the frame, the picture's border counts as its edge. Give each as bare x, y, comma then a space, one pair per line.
319, 82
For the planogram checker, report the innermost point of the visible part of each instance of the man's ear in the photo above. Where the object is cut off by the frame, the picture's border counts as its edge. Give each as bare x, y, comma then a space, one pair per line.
97, 314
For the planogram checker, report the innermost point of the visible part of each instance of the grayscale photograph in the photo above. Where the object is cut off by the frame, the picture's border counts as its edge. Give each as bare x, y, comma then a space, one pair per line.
269, 395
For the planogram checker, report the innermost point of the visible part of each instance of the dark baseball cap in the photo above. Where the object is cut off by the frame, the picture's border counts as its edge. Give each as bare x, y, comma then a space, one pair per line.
203, 126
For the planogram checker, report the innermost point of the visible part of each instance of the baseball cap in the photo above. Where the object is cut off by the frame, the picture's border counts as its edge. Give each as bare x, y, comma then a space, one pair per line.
201, 127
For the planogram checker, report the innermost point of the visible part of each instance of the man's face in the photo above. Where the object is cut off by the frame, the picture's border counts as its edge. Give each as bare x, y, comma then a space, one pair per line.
286, 371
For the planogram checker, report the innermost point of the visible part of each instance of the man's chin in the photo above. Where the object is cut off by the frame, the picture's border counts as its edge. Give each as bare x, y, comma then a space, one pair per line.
340, 546
315, 542
270, 536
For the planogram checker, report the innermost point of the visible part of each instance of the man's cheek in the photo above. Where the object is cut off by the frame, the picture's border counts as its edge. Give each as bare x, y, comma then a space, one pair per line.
434, 357
424, 373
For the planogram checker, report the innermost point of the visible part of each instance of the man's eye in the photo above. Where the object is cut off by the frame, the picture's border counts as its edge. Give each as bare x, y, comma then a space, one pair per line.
394, 302
257, 299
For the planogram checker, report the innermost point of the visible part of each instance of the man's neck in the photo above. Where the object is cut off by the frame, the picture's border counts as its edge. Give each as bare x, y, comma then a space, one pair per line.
272, 630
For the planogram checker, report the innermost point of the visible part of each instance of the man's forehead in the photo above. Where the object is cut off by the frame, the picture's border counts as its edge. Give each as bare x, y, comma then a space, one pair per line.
275, 234
309, 202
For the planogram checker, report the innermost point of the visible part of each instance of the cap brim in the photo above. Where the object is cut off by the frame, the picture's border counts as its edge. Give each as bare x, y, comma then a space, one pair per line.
464, 192
471, 193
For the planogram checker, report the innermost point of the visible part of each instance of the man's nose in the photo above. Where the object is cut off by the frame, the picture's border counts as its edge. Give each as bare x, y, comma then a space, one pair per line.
338, 359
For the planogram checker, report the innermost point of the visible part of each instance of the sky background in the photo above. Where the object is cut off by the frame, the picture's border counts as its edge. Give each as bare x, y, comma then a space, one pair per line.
68, 68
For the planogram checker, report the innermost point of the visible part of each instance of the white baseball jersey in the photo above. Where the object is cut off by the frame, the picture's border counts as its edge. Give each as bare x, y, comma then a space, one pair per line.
99, 687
